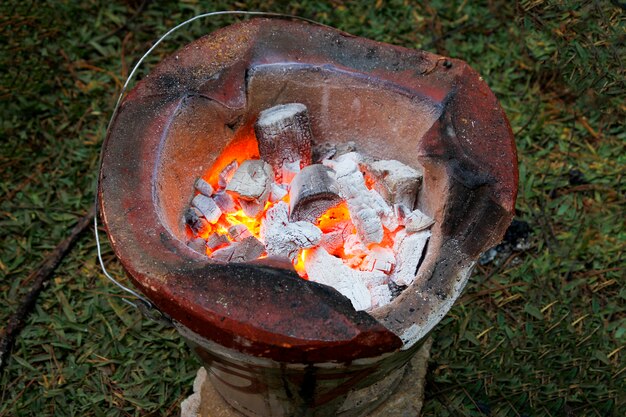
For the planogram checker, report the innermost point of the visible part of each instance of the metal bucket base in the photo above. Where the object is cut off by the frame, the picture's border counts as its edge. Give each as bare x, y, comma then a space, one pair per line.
406, 400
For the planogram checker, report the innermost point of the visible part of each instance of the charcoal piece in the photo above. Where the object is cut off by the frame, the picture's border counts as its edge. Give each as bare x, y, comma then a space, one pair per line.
227, 173
284, 135
225, 202
251, 185
313, 191
396, 182
247, 250
217, 241
193, 218
207, 207
203, 187
238, 232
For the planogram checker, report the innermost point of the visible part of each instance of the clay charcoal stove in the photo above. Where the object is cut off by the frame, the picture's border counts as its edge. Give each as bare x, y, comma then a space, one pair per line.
305, 205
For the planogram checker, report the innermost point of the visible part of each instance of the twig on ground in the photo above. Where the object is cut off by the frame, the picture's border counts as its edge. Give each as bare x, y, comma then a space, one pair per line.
39, 277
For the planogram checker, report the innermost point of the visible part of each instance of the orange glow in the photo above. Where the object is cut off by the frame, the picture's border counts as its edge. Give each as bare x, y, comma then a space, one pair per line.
299, 264
243, 146
333, 216
239, 217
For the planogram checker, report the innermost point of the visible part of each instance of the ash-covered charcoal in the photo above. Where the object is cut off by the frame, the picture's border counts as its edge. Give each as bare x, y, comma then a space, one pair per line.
238, 232
217, 241
247, 250
408, 248
396, 182
313, 192
416, 221
283, 133
284, 238
251, 185
204, 187
289, 170
378, 259
335, 239
277, 192
227, 174
225, 202
193, 218
198, 244
363, 205
326, 269
207, 207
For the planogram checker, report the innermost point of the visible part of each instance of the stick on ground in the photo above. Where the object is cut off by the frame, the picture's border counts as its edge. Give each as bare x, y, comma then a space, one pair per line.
39, 277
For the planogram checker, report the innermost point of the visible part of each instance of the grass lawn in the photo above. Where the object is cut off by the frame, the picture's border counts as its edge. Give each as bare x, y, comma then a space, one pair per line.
540, 330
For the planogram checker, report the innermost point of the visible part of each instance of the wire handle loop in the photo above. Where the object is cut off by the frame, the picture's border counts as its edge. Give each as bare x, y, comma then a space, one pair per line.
143, 304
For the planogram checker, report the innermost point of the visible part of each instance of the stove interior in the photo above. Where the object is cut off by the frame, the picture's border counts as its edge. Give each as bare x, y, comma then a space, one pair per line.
340, 196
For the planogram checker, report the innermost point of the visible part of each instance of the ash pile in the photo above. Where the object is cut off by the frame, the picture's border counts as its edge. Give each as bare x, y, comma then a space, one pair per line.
339, 217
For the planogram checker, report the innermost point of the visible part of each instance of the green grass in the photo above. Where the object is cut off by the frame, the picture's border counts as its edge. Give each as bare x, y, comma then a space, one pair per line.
540, 334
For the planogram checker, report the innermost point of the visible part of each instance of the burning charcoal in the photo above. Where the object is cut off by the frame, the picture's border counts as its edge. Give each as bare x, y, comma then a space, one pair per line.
358, 197
396, 182
283, 238
204, 187
217, 241
289, 171
381, 295
198, 244
194, 220
334, 240
227, 174
277, 193
207, 207
379, 259
247, 250
284, 135
225, 202
251, 185
416, 221
313, 192
239, 232
326, 269
408, 248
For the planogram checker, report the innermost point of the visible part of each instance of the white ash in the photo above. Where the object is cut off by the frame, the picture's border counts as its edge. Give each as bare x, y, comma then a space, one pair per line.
207, 207
204, 187
417, 221
285, 238
396, 182
408, 248
379, 259
251, 185
324, 268
381, 295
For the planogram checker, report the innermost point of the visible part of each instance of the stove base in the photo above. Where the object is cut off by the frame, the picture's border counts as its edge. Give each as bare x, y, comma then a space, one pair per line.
405, 401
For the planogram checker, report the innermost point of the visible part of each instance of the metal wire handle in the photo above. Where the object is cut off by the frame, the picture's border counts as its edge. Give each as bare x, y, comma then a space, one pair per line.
142, 303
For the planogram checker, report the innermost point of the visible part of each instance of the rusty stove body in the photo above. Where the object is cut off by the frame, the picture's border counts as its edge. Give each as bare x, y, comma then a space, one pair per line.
275, 344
